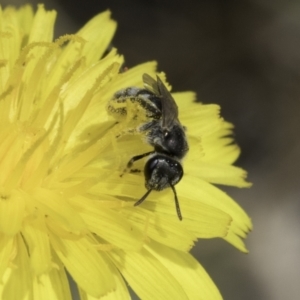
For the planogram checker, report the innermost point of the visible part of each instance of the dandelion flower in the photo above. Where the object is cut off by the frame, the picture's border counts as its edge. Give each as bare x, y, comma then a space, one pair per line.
64, 207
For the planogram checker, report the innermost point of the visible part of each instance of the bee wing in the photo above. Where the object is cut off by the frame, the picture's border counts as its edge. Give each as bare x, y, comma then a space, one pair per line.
150, 84
169, 106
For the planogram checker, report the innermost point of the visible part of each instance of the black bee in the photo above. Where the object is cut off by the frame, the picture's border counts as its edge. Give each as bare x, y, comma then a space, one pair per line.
162, 130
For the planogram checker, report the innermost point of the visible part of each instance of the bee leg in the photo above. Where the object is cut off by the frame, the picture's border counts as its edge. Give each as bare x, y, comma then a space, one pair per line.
137, 157
118, 106
147, 126
151, 110
135, 171
130, 131
133, 159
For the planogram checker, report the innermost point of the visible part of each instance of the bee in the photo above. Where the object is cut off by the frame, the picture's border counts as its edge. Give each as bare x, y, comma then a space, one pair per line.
162, 130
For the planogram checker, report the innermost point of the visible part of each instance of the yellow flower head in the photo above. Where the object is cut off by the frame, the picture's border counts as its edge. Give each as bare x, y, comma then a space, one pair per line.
64, 206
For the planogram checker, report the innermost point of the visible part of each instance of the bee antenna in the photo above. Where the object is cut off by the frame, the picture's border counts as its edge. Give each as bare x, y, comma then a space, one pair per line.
176, 203
143, 198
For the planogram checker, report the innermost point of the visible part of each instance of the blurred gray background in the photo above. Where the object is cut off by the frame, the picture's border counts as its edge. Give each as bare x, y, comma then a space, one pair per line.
245, 56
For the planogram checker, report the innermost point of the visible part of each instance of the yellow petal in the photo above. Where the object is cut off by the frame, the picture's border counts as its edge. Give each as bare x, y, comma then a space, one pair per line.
56, 206
206, 193
201, 220
199, 217
25, 16
52, 285
119, 293
89, 43
219, 146
184, 100
109, 224
148, 277
12, 211
98, 33
85, 264
10, 39
202, 120
164, 229
76, 89
42, 27
204, 220
217, 173
80, 95
187, 271
6, 250
17, 280
195, 188
37, 241
236, 241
